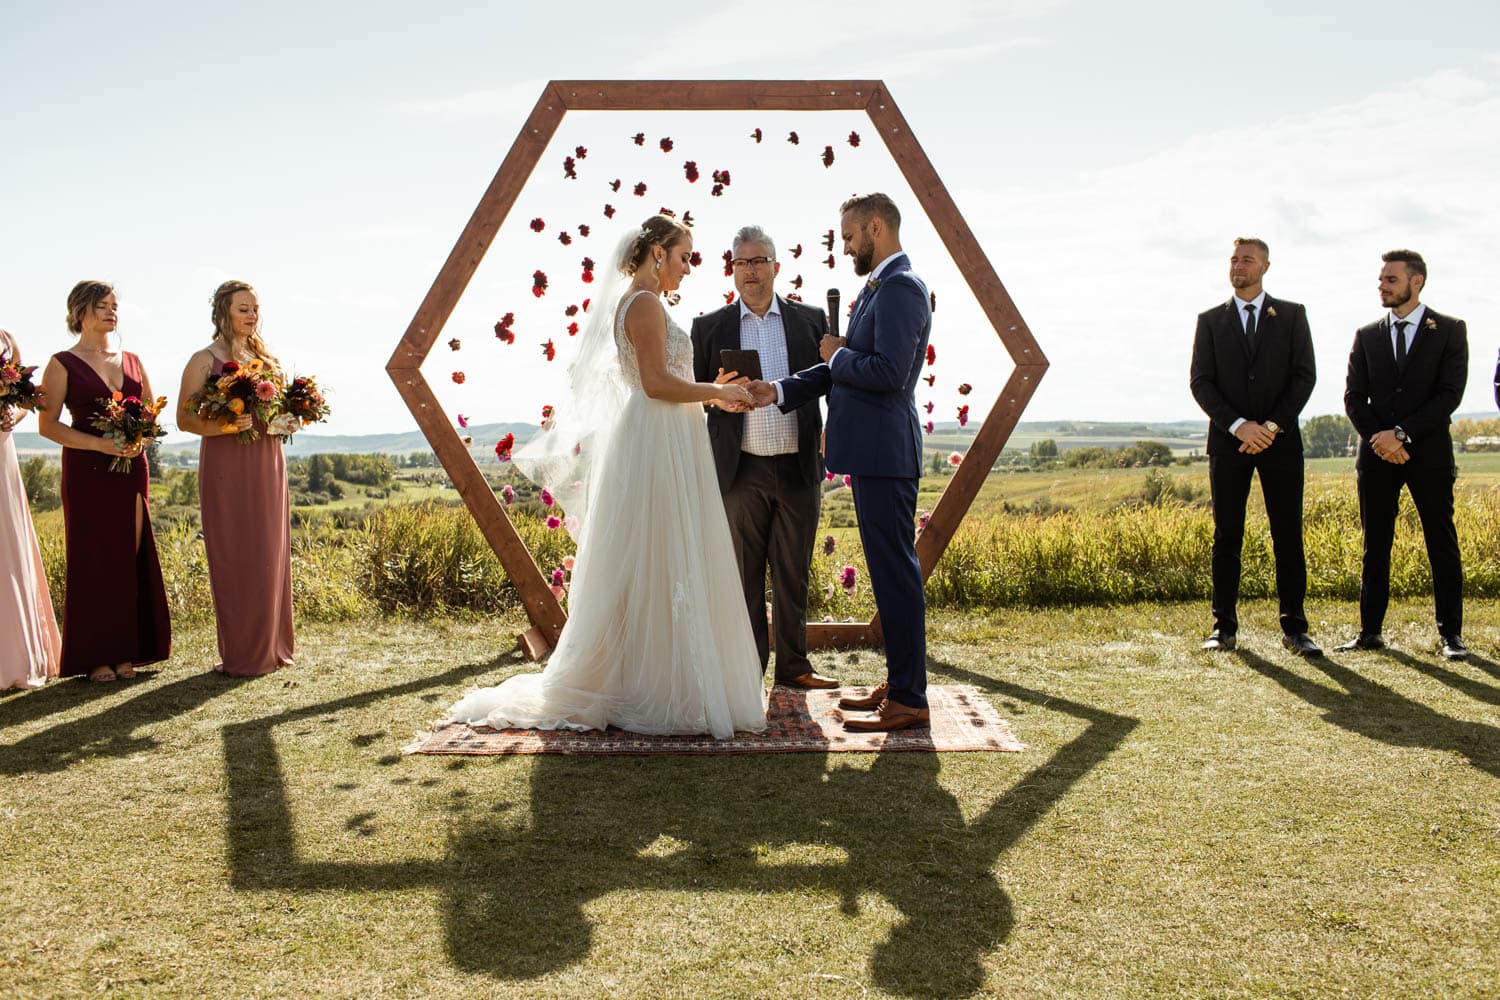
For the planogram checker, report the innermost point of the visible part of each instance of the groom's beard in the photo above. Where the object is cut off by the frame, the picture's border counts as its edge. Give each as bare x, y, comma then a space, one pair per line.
864, 259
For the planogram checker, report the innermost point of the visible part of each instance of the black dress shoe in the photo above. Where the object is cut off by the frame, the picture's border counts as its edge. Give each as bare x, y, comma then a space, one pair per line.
1365, 640
1454, 648
1219, 641
1299, 643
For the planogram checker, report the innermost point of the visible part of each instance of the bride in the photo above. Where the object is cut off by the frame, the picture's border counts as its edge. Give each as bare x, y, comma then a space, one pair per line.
656, 640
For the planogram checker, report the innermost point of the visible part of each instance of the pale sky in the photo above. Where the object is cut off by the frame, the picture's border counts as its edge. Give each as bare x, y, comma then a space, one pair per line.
1104, 154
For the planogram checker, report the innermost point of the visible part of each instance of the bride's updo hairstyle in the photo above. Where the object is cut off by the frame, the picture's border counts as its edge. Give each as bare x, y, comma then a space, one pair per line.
659, 230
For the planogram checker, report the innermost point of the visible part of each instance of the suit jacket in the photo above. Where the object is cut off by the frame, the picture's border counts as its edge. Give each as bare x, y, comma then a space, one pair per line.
873, 429
1272, 382
719, 330
1419, 399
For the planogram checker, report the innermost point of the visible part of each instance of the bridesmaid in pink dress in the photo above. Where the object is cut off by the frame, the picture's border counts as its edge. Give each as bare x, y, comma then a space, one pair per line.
115, 614
30, 644
242, 492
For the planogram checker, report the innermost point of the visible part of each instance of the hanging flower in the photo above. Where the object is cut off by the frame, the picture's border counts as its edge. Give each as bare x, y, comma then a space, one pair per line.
728, 298
640, 189
829, 543
580, 152
665, 144
508, 494
965, 388
572, 310
796, 251
568, 170
797, 282
564, 238
586, 305
930, 380
757, 135
716, 190
463, 421
553, 522
687, 219
614, 185
588, 269
728, 263
537, 225
792, 138
827, 156
609, 211
459, 377
963, 415
828, 240
583, 230
573, 329
503, 447
927, 427
932, 300
467, 440
690, 169
830, 261
696, 259
547, 498
548, 351
955, 459
639, 138
505, 334
854, 139
454, 344
538, 284
931, 354
547, 411
721, 177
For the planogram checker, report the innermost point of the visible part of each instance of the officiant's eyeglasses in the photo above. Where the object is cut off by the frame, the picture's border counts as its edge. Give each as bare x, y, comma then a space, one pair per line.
740, 263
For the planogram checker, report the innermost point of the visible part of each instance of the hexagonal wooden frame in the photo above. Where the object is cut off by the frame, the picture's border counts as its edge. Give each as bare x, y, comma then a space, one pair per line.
557, 99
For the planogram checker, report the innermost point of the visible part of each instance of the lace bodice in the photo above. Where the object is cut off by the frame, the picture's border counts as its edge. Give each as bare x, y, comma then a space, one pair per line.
679, 347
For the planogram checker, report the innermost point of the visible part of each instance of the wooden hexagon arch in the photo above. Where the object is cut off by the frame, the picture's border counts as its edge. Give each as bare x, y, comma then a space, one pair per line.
557, 99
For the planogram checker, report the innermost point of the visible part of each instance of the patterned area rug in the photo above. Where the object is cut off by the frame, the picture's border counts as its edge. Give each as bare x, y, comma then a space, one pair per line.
798, 721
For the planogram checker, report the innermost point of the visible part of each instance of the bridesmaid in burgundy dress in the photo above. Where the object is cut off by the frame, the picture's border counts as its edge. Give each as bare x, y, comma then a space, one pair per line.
115, 608
242, 491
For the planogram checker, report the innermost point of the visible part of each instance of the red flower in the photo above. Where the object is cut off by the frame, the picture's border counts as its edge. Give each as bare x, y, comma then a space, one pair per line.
854, 139
549, 351
553, 523
690, 168
955, 459
665, 144
572, 329
614, 185
230, 367
564, 238
568, 170
928, 426
664, 210
639, 138
571, 311
716, 190
547, 412
931, 354
793, 296
463, 421
797, 251
728, 266
504, 333
696, 259
827, 156
930, 380
537, 225
757, 135
932, 300
728, 297
792, 138
586, 305
828, 240
547, 499
458, 377
687, 219
963, 415
583, 230
797, 281
721, 177
830, 261
965, 389
538, 284
927, 406
580, 151
609, 211
640, 188
455, 344
588, 269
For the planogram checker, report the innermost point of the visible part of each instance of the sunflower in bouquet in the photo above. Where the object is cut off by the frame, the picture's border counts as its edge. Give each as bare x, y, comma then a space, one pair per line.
131, 422
253, 387
303, 400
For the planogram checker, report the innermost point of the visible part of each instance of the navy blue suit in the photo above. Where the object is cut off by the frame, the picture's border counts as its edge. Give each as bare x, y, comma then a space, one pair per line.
874, 435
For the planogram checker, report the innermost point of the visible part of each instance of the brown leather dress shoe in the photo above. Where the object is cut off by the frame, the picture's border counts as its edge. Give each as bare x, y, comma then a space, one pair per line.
868, 703
890, 715
812, 680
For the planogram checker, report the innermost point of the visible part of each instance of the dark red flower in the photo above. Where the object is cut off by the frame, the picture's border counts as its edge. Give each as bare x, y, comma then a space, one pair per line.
665, 144
757, 135
580, 151
639, 138
230, 367
537, 225
573, 329
687, 219
932, 300
827, 156
583, 230
927, 427
458, 377
792, 138
503, 447
728, 297
614, 185
571, 311
564, 238
586, 305
455, 344
664, 210
503, 328
548, 351
829, 261
854, 138
828, 240
963, 415
794, 296
696, 259
928, 406
728, 265
690, 168
965, 389
796, 251
568, 170
931, 354
588, 263
716, 190
538, 284
640, 188
609, 211
931, 380
797, 281
588, 277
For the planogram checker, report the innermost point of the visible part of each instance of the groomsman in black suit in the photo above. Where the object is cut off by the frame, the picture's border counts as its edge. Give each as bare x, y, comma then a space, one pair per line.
769, 464
1252, 373
1406, 377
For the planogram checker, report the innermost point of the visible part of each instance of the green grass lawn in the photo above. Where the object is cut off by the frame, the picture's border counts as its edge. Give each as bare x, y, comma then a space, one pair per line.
1180, 825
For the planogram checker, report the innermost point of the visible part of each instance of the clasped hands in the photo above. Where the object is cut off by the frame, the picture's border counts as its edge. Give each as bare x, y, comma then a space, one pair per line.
764, 393
1254, 437
1387, 446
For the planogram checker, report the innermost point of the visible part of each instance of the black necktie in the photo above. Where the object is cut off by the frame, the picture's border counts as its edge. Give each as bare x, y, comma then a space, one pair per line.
1401, 344
1250, 327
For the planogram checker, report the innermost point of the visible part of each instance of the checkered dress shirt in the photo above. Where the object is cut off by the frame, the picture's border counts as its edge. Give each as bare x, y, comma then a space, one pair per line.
768, 431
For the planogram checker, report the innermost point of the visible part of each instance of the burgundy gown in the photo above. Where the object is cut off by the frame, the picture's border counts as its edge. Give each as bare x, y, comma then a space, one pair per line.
115, 606
246, 506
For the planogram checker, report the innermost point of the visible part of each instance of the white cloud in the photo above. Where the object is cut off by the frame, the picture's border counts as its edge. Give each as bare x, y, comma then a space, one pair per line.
513, 101
925, 62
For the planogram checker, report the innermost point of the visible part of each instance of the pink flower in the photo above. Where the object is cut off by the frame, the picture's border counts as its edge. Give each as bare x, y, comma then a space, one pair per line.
557, 591
553, 523
955, 459
558, 578
830, 475
10, 375
547, 499
463, 421
265, 391
927, 406
507, 494
927, 427
848, 480
568, 563
828, 544
847, 580
922, 520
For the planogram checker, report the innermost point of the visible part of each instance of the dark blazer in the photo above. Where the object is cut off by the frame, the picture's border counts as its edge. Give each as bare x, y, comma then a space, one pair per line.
1274, 382
719, 330
1421, 399
873, 429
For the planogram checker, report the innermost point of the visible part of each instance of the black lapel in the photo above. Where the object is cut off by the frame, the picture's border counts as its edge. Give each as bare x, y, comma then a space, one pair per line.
1385, 350
729, 329
1229, 323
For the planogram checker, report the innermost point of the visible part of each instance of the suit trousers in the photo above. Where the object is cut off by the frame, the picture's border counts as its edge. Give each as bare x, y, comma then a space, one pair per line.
1281, 477
1431, 490
773, 519
886, 509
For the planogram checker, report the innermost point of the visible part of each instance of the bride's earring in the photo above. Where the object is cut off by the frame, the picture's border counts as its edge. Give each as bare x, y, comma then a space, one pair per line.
658, 263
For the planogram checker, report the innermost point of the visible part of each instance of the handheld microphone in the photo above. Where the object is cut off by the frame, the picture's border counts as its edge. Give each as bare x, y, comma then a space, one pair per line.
833, 311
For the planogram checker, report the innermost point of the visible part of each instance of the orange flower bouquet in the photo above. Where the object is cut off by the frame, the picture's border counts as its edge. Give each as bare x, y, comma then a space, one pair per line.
303, 400
130, 422
253, 388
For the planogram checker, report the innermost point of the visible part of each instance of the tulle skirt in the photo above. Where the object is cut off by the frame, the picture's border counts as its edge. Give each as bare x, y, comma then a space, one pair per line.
657, 640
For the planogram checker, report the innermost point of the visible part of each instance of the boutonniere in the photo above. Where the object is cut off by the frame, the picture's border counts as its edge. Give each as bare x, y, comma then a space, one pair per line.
1430, 323
872, 284
1270, 310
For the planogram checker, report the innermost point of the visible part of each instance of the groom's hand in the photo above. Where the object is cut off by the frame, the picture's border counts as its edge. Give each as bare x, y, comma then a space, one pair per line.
831, 344
764, 393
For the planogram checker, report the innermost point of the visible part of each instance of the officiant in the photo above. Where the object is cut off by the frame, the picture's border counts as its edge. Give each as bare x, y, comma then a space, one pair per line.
769, 464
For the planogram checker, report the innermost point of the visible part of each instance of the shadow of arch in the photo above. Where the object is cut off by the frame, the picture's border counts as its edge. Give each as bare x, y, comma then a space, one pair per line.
515, 895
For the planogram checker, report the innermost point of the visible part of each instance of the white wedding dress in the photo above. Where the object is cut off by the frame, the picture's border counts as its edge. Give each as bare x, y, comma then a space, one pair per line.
656, 640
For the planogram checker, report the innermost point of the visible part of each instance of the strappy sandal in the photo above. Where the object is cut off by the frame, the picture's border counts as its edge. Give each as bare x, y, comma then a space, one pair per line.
125, 671
102, 675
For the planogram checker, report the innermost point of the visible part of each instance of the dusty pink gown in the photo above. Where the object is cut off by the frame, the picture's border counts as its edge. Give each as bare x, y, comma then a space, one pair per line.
246, 506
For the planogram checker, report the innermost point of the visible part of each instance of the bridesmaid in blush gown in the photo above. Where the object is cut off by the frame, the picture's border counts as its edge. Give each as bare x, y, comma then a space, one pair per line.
243, 495
115, 609
30, 645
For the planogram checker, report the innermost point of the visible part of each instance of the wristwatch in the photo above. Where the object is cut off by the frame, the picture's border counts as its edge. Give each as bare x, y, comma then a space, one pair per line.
1401, 436
1273, 427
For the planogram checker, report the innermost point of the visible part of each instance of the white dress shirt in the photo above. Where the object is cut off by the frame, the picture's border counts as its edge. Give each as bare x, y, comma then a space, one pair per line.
1413, 321
768, 431
1259, 302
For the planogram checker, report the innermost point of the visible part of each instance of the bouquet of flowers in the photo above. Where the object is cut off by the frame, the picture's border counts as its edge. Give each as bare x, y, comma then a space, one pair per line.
130, 422
303, 400
251, 388
16, 386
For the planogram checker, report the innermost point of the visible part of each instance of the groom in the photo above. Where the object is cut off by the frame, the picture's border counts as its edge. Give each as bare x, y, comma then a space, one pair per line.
873, 434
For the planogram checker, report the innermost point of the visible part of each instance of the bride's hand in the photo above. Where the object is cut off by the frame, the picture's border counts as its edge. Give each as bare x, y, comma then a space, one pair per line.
735, 397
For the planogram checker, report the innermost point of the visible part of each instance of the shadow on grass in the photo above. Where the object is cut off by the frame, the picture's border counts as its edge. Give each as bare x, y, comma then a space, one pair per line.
1478, 690
1375, 711
110, 733
515, 896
